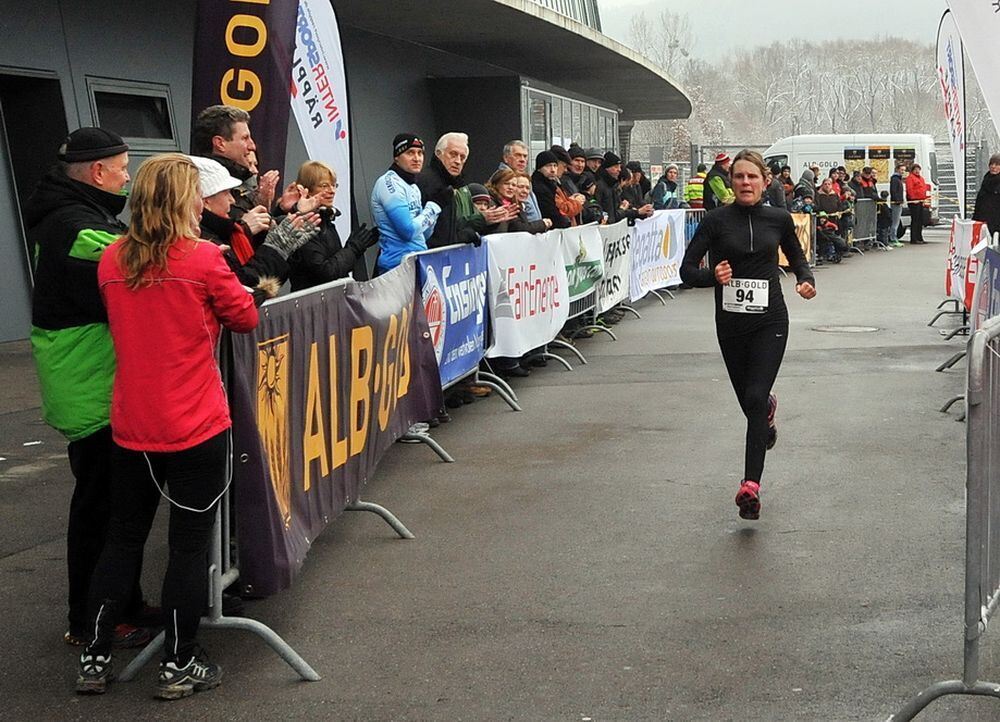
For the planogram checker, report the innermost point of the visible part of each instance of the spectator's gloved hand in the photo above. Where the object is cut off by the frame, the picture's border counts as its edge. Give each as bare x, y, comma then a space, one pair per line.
443, 197
363, 238
467, 235
292, 233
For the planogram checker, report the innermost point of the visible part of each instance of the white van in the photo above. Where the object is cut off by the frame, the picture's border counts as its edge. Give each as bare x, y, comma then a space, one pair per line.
878, 150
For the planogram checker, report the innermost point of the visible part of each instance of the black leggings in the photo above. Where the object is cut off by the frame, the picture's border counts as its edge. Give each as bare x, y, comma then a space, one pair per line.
753, 360
193, 478
916, 222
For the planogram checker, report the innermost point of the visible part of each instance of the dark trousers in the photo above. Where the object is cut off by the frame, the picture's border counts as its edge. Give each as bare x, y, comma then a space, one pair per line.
191, 478
916, 222
753, 361
89, 515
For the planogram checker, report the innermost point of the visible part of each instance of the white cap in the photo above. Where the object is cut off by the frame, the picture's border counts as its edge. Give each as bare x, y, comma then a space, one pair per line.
213, 176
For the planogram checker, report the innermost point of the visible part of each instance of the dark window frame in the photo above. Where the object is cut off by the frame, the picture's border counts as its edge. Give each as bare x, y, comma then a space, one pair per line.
161, 91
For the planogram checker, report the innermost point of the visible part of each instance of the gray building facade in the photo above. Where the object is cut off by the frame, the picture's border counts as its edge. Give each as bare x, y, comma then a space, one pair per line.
496, 69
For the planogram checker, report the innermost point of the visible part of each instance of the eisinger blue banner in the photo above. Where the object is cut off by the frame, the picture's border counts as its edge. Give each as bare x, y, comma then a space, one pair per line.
453, 286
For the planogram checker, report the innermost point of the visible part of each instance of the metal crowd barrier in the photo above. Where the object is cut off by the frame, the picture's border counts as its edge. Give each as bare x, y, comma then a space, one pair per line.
223, 569
982, 517
222, 572
865, 221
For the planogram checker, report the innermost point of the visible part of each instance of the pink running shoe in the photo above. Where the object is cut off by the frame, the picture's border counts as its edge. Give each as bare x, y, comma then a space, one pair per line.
748, 500
772, 429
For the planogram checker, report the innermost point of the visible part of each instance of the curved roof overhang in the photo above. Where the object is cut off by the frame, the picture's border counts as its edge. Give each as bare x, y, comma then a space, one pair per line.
529, 40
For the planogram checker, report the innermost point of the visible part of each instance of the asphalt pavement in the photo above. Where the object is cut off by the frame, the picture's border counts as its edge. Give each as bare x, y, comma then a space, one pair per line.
583, 560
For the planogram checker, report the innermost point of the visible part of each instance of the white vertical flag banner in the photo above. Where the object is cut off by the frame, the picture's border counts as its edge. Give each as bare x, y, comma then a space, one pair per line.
951, 78
978, 23
319, 98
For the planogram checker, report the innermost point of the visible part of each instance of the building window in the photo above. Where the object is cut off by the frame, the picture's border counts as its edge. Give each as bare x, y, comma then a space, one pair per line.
134, 116
142, 113
551, 119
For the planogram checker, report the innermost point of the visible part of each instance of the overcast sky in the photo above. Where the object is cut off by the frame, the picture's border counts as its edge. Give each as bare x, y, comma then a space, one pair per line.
761, 22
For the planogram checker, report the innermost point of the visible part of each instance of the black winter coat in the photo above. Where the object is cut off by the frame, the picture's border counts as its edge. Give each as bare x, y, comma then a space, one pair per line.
323, 258
609, 196
265, 261
59, 216
988, 202
545, 192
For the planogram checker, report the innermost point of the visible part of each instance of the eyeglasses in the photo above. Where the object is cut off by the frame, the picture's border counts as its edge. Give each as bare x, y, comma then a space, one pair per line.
327, 186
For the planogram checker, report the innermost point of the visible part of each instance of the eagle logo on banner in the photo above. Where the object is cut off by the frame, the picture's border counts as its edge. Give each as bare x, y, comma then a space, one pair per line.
272, 417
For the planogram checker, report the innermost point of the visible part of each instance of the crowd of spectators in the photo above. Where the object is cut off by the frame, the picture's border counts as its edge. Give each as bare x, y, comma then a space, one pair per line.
267, 235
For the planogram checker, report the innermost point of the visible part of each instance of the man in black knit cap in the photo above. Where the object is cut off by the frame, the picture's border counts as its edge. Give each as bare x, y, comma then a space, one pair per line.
70, 218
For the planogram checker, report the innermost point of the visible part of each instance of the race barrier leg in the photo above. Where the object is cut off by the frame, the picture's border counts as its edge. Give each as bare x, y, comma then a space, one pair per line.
956, 311
951, 362
388, 516
569, 347
551, 356
658, 298
500, 387
221, 574
963, 330
629, 309
982, 516
422, 437
951, 402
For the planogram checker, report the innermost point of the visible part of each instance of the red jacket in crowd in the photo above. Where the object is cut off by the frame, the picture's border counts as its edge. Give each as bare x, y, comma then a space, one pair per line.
917, 189
168, 393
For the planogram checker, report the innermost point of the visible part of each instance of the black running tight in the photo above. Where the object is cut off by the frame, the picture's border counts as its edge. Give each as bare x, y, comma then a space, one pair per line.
753, 360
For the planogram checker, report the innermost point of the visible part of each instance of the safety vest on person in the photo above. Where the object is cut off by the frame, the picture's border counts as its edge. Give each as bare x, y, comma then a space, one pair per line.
694, 191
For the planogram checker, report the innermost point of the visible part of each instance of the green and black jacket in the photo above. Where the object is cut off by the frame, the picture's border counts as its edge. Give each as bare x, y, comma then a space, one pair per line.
69, 225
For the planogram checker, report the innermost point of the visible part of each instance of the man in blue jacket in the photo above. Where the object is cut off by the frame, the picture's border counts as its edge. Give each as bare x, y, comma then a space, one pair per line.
403, 221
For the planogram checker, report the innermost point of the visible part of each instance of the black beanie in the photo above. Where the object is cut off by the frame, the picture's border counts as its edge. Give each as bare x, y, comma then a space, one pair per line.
561, 155
404, 141
91, 144
611, 159
634, 166
544, 158
576, 151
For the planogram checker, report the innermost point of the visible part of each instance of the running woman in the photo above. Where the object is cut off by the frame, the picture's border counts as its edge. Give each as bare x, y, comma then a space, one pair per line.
751, 320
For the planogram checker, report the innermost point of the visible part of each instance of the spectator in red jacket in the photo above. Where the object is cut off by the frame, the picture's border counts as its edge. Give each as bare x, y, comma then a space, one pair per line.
917, 198
168, 295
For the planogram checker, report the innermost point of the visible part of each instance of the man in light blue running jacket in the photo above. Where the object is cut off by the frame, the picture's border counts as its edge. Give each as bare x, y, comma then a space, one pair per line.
404, 223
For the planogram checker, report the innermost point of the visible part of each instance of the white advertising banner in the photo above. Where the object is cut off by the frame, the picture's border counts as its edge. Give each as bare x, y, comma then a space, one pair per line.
614, 286
583, 256
978, 22
962, 265
319, 98
951, 78
658, 244
529, 293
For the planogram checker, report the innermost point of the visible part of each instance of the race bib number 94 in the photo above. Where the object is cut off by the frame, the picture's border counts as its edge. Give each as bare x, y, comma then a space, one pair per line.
745, 295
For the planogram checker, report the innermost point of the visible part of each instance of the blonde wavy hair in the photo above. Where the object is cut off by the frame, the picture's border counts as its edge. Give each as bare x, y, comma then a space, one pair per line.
163, 197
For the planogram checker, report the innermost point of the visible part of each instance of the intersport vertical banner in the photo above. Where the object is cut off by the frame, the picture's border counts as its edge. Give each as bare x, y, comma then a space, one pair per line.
453, 286
319, 391
658, 244
529, 296
242, 57
614, 286
951, 78
583, 254
978, 23
319, 97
